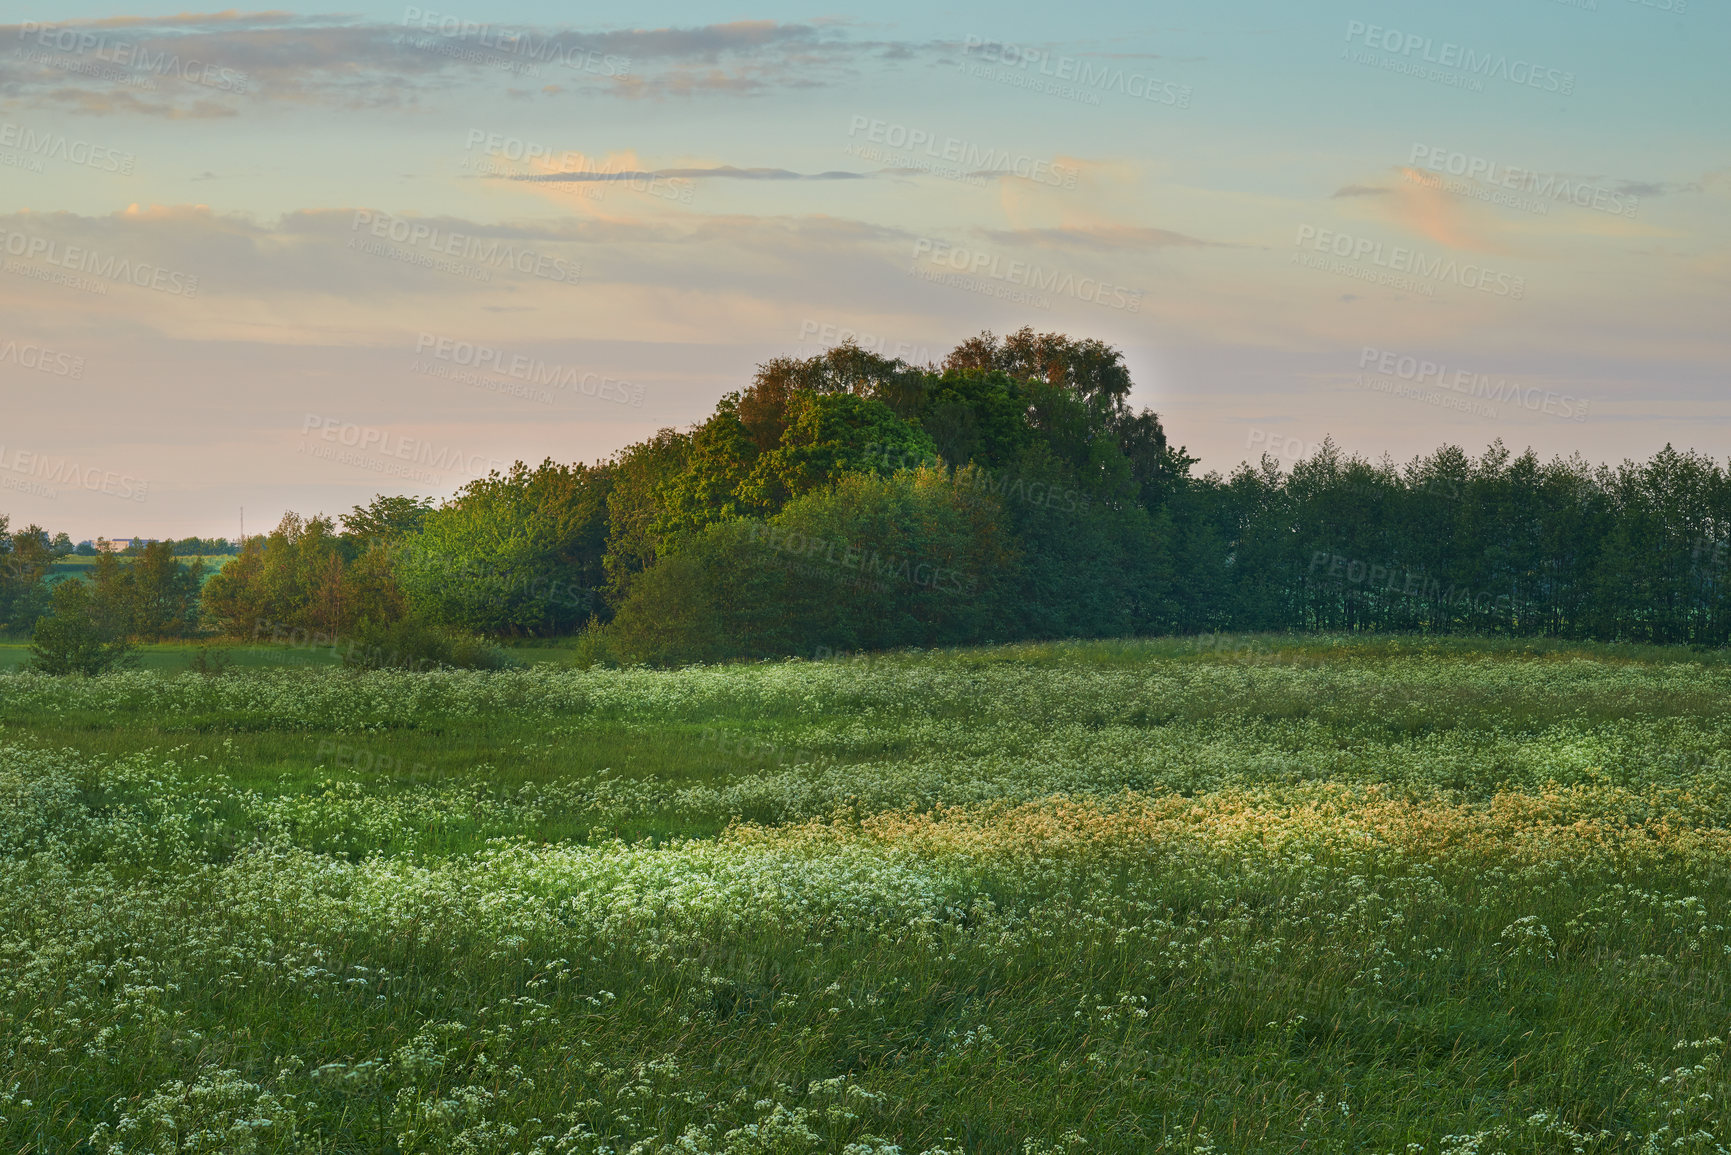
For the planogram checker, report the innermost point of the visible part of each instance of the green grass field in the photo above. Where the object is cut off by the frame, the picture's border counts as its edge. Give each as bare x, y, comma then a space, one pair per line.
1247, 894
80, 566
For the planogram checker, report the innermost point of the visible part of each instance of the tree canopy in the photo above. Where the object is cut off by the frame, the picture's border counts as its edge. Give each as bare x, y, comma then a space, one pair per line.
851, 500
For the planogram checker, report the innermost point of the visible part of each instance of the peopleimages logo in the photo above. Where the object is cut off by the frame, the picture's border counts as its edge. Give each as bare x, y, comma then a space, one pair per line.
44, 360
1400, 262
913, 145
826, 333
530, 370
518, 42
383, 451
868, 563
65, 471
1420, 372
1437, 159
499, 153
993, 268
127, 54
145, 275
58, 146
1085, 76
438, 242
1484, 65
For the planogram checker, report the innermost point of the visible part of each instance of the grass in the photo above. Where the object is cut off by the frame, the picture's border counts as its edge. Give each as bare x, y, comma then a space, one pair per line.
177, 657
81, 565
1221, 894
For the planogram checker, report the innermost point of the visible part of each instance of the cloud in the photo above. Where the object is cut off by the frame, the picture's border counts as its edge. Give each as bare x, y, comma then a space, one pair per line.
328, 268
1428, 209
1655, 189
1361, 190
1105, 238
112, 103
201, 65
726, 172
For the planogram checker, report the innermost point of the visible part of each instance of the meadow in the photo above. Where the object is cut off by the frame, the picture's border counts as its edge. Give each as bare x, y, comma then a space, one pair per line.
1426, 897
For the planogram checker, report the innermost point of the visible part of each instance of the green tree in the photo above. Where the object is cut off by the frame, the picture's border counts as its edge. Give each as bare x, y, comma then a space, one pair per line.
78, 636
636, 507
304, 577
26, 557
719, 458
918, 558
763, 408
976, 416
514, 553
151, 596
387, 518
827, 436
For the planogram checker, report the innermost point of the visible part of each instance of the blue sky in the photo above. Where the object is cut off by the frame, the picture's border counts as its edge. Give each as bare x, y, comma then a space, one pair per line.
1396, 224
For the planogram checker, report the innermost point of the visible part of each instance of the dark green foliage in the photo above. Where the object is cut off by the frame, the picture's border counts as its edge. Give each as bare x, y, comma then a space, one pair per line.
80, 635
1088, 568
718, 460
518, 553
25, 559
872, 562
411, 643
822, 437
634, 506
977, 416
151, 596
1498, 545
201, 546
387, 518
827, 437
146, 594
302, 577
844, 369
1097, 529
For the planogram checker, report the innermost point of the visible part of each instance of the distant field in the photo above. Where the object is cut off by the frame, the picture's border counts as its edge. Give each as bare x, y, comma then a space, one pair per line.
172, 657
73, 565
177, 656
1221, 894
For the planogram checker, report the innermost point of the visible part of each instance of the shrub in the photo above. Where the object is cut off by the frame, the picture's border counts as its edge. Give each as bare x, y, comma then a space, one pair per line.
209, 662
919, 558
516, 553
77, 637
414, 644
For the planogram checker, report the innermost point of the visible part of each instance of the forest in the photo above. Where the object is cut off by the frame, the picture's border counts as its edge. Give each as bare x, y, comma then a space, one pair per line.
850, 501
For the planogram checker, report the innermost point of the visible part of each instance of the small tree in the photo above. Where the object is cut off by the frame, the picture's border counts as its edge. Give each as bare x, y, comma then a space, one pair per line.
25, 559
75, 638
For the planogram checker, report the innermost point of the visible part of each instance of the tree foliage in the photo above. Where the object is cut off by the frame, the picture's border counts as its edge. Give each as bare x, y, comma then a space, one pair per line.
81, 635
25, 560
1018, 468
516, 553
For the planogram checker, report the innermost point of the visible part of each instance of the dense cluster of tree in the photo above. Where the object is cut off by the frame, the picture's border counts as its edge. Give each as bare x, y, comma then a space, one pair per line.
26, 557
83, 625
204, 547
851, 501
1498, 544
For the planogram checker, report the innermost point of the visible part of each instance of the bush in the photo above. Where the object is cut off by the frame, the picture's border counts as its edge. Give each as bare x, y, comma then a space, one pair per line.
918, 559
518, 553
414, 644
210, 663
77, 637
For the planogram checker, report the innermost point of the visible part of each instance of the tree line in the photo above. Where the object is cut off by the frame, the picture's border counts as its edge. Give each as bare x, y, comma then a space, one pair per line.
849, 501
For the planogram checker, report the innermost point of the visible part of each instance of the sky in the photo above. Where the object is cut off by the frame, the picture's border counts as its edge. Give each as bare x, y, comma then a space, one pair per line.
253, 262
